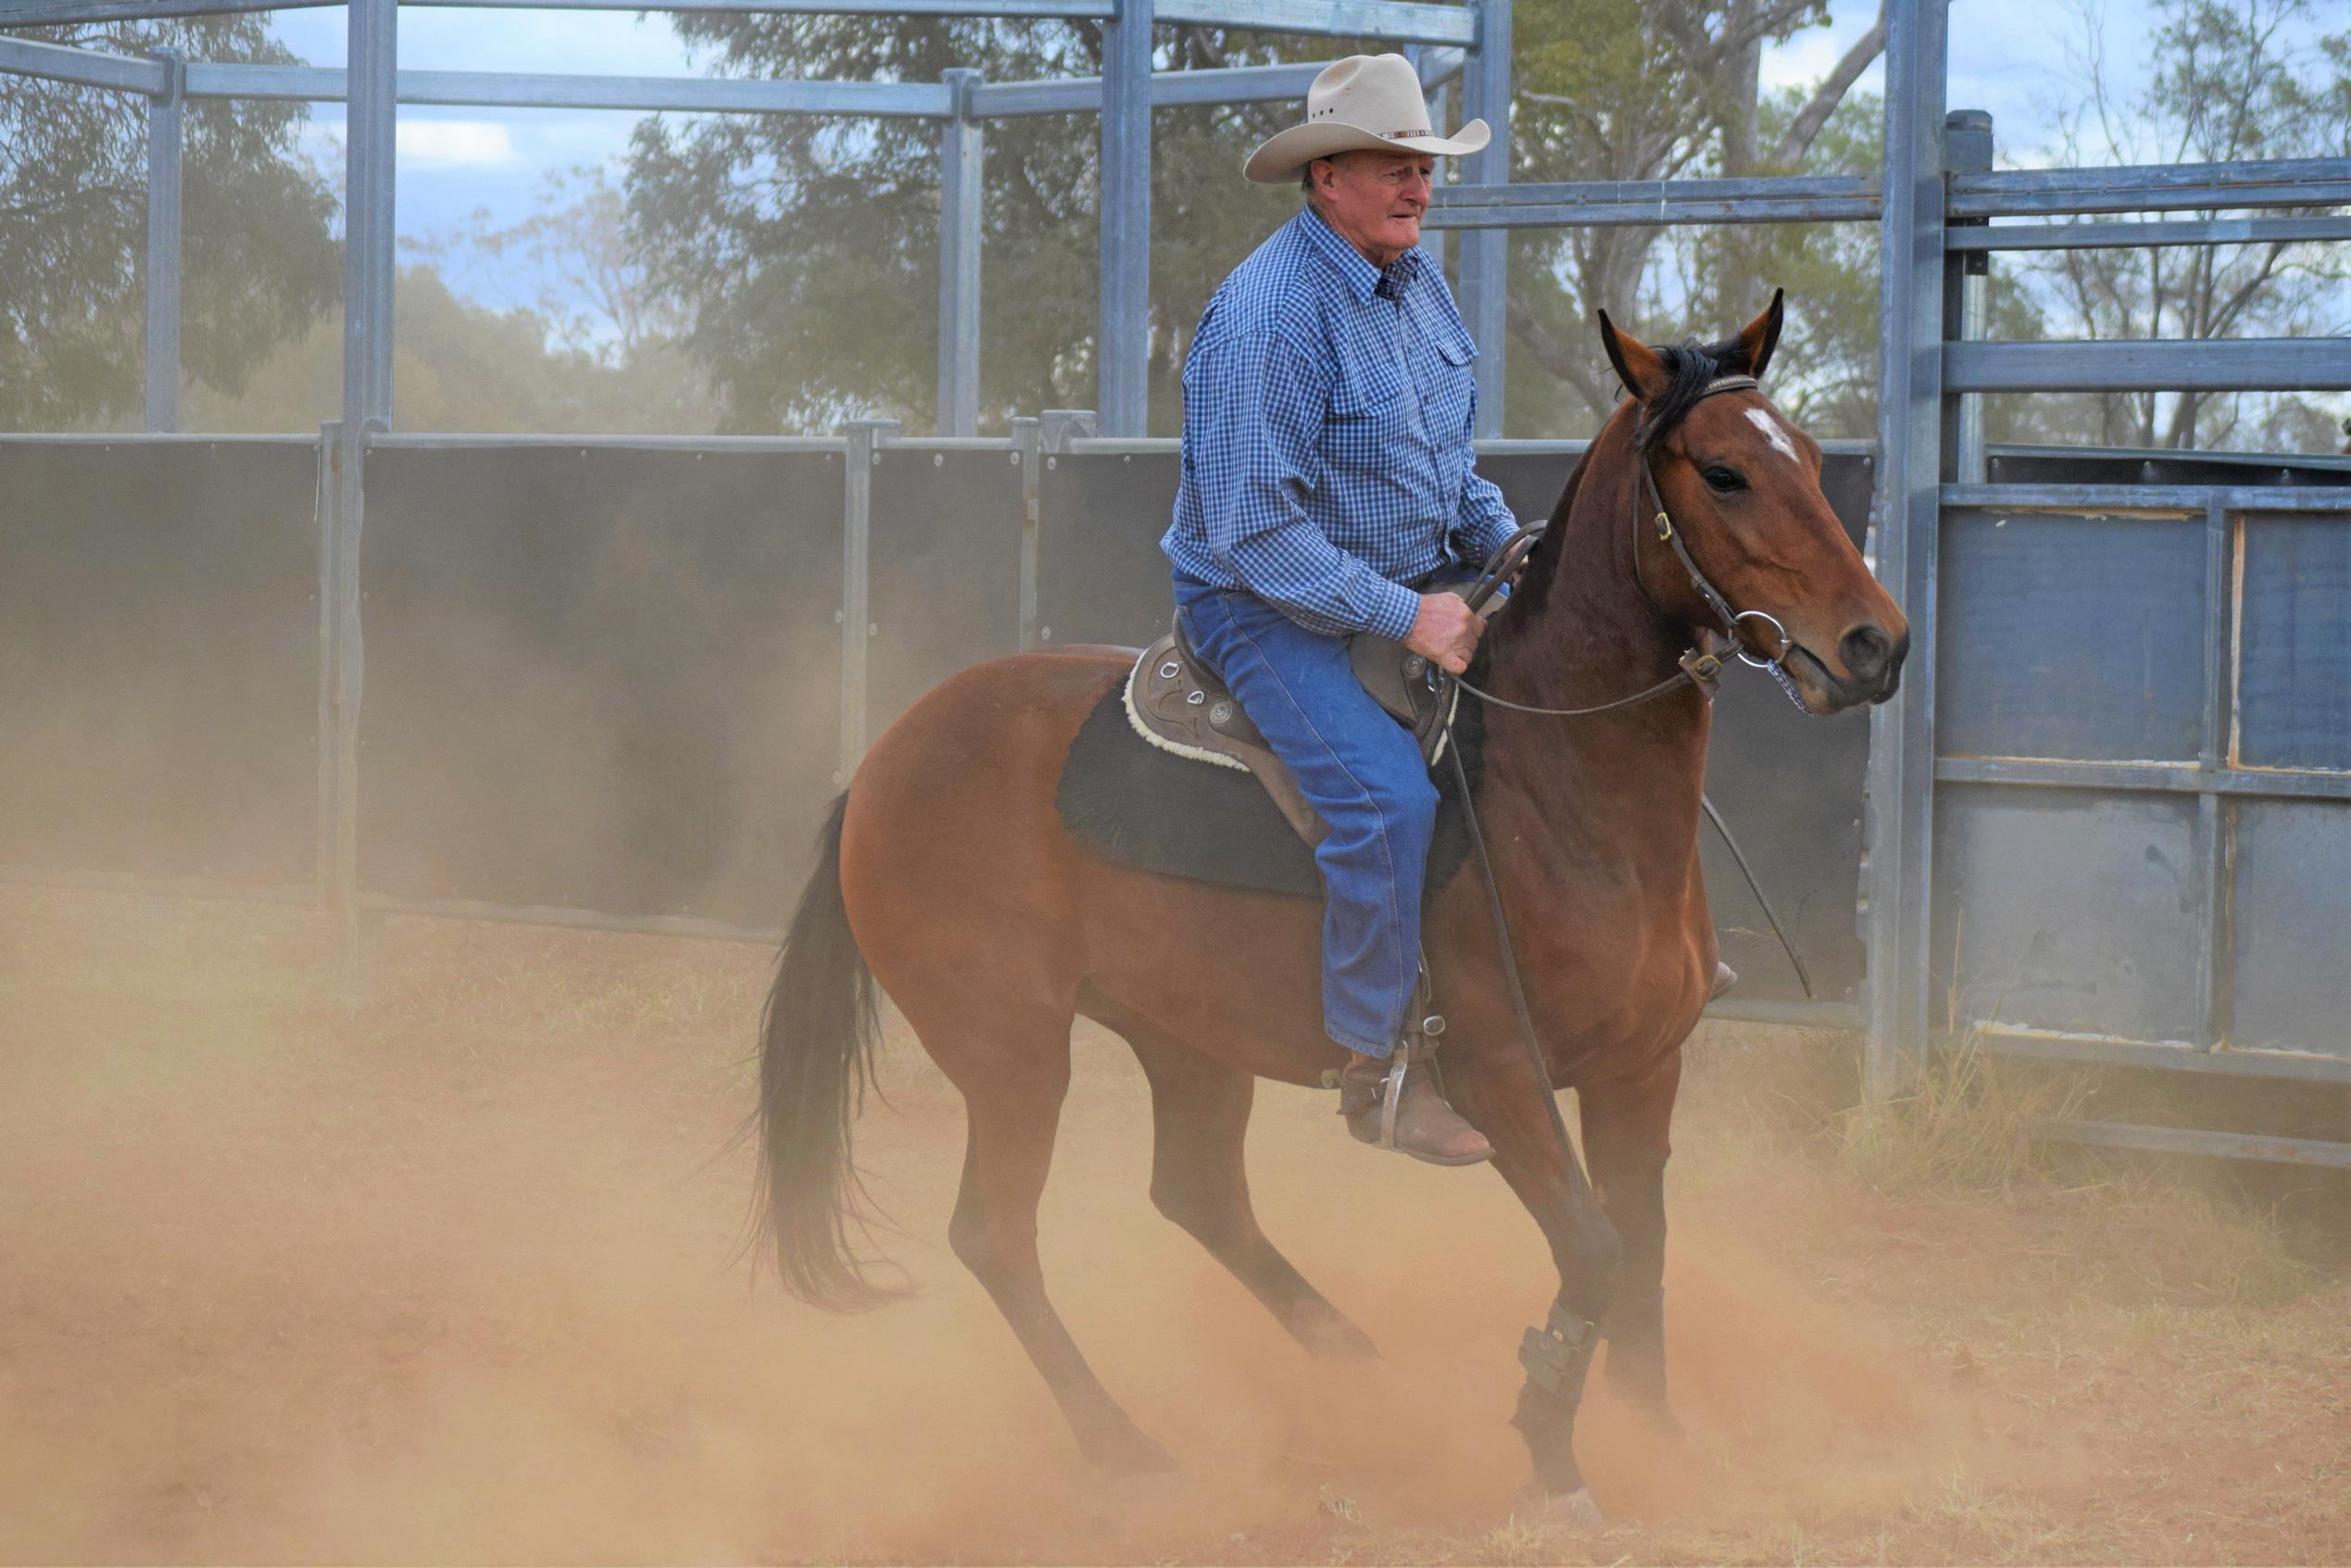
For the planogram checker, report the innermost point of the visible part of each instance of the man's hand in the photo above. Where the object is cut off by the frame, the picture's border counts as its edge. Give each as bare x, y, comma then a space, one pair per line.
1446, 630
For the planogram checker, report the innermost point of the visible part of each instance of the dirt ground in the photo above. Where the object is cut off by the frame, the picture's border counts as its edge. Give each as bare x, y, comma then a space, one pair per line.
450, 1277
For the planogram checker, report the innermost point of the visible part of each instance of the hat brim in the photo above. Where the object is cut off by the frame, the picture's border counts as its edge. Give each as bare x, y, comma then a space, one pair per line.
1282, 156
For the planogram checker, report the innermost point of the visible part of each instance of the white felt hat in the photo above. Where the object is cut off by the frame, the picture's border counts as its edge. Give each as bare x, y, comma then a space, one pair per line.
1372, 102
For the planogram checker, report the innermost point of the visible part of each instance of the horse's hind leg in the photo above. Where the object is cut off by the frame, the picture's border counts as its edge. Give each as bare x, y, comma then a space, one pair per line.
1626, 1141
1199, 1116
1014, 1105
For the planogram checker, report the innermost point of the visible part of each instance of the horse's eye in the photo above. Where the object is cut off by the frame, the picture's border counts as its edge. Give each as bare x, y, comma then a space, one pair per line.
1722, 480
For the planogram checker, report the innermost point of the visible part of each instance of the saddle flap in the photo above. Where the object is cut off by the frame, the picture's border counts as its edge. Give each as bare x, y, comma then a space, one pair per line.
1177, 704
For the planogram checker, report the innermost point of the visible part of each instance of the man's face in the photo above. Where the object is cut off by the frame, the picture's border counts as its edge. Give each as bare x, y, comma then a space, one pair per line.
1375, 200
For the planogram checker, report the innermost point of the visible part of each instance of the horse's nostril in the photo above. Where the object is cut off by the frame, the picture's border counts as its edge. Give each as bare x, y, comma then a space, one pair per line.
1866, 652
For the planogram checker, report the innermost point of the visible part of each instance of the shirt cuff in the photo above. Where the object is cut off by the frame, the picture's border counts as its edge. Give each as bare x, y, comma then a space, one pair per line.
1393, 610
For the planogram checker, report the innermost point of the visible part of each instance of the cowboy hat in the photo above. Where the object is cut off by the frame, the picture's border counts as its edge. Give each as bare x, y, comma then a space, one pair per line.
1365, 102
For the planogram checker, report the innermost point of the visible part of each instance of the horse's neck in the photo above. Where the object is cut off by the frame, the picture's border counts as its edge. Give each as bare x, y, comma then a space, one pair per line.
1592, 636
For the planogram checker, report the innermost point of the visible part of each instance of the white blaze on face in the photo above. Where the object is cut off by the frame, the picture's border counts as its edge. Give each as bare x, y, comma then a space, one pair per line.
1761, 419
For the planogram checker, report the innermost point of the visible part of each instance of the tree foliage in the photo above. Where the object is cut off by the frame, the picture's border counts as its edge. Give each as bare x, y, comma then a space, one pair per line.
259, 260
2229, 82
808, 250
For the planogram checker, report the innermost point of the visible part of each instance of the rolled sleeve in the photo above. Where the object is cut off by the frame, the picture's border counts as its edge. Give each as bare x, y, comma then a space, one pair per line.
1254, 412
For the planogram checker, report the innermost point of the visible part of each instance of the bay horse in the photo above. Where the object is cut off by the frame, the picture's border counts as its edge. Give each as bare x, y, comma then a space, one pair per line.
947, 877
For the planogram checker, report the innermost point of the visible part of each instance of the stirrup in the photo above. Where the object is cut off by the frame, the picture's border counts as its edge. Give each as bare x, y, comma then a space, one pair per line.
1419, 1045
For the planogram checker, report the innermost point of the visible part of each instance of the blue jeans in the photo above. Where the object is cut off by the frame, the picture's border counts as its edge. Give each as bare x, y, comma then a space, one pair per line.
1364, 775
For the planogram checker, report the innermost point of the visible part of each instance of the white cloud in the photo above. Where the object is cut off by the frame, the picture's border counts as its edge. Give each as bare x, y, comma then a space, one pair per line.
455, 144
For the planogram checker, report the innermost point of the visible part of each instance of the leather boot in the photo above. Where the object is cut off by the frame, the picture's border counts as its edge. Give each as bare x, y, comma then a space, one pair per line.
1425, 1127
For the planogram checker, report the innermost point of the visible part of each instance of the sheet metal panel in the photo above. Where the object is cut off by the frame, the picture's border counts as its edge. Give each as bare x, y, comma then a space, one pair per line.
944, 556
2073, 637
2291, 989
1101, 577
159, 658
2066, 910
600, 679
2293, 688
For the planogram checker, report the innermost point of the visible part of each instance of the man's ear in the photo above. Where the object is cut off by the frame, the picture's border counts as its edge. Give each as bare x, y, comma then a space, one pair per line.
1760, 336
1637, 367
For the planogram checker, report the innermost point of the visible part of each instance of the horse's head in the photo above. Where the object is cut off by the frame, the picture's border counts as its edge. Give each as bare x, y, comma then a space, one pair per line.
1741, 485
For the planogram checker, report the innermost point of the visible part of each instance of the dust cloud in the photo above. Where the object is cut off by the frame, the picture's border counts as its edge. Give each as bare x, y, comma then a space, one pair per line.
448, 1276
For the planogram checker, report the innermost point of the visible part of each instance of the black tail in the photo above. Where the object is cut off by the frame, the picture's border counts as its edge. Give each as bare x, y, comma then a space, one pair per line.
817, 1036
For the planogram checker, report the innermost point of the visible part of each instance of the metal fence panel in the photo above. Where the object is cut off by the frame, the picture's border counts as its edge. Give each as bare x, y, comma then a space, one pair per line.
159, 657
2293, 691
1100, 575
945, 552
600, 678
2075, 637
2066, 910
2291, 989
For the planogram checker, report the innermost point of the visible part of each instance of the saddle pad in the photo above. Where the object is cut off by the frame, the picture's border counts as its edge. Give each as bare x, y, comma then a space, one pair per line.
1128, 802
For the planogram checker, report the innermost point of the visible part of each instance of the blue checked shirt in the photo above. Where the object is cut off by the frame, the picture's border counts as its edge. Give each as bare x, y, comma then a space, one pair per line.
1326, 430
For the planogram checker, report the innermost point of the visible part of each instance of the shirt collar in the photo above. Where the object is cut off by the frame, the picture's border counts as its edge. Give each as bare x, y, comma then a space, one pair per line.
1362, 280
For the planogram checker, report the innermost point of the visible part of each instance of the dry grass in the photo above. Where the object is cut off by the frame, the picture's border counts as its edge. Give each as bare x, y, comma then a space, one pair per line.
443, 1278
1963, 1126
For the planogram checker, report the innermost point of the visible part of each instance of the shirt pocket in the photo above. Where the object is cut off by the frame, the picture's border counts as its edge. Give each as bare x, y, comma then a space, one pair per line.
1371, 384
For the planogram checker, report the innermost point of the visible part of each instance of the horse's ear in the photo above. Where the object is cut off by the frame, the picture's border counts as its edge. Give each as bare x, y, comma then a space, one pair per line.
1637, 367
1760, 336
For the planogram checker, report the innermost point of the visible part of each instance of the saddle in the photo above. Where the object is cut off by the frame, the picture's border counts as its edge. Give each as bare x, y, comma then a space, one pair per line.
1178, 703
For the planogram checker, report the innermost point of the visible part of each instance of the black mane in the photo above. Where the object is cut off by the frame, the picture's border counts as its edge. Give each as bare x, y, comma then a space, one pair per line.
1694, 366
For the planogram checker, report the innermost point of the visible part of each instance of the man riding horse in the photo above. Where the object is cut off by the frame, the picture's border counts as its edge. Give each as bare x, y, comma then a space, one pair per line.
1327, 473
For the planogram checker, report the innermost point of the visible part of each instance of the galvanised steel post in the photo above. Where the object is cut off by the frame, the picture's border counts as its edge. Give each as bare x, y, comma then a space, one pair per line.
1485, 253
1121, 347
1966, 142
866, 439
164, 140
371, 125
1901, 748
1028, 450
961, 152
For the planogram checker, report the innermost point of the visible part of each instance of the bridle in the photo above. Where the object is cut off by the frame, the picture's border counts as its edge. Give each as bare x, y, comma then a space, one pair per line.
1699, 666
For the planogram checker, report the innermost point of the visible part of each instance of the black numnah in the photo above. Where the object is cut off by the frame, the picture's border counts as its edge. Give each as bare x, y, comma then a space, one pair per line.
1127, 802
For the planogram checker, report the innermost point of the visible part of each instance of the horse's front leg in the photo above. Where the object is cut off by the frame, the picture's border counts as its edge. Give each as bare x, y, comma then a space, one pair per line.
1496, 1088
1626, 1139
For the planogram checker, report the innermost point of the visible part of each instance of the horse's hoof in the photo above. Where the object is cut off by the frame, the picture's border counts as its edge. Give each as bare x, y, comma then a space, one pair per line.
1563, 1511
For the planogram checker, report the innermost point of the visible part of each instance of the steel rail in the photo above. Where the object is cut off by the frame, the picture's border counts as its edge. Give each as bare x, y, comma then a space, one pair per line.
84, 68
2189, 1140
920, 100
2129, 236
2173, 778
2182, 499
2324, 181
2114, 365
